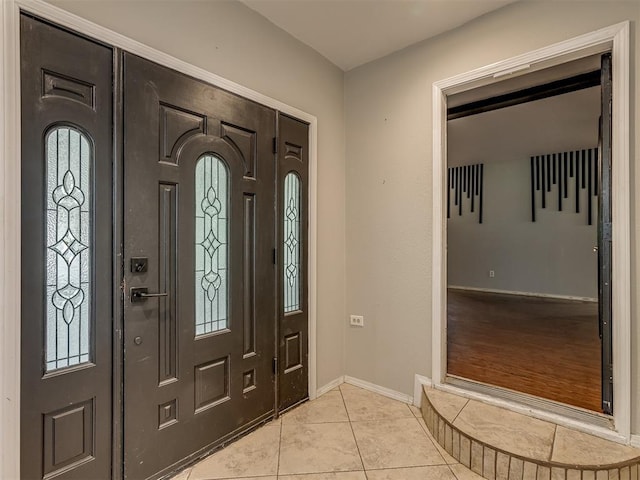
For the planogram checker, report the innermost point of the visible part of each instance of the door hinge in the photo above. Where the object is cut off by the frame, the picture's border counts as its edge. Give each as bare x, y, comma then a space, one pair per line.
275, 365
274, 256
610, 373
275, 145
606, 232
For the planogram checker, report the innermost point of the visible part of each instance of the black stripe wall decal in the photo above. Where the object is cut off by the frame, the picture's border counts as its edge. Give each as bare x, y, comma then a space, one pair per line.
589, 189
565, 176
548, 173
555, 170
577, 157
474, 173
455, 183
558, 169
467, 179
480, 194
533, 189
449, 176
459, 191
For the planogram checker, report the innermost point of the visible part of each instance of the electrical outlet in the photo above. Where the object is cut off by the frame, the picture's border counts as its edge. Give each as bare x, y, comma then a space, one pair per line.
492, 273
356, 321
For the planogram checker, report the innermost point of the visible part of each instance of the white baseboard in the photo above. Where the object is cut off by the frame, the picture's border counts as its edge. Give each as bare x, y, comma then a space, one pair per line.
372, 387
330, 386
419, 382
635, 441
525, 294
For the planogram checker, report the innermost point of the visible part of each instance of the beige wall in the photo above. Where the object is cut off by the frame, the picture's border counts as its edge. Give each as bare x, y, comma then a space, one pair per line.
231, 40
551, 256
389, 145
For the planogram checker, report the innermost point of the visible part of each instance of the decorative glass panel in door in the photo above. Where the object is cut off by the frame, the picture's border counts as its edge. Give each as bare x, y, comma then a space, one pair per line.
292, 243
68, 254
212, 199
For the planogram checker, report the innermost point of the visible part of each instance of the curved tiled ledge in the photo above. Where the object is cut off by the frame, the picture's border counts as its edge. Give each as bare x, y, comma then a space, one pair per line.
503, 445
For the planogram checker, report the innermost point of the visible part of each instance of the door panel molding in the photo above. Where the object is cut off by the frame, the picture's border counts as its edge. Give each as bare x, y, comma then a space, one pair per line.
614, 38
194, 224
10, 241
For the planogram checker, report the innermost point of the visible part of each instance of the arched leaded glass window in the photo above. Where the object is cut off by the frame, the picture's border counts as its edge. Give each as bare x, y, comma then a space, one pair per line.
68, 223
292, 243
212, 256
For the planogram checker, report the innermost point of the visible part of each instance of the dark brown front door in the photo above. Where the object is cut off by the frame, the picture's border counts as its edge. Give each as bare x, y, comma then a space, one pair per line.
67, 279
200, 281
215, 262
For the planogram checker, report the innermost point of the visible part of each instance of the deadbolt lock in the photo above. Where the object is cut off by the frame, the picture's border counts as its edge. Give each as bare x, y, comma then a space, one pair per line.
139, 264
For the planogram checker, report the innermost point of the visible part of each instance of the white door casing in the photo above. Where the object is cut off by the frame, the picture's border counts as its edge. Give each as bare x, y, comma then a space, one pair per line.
615, 39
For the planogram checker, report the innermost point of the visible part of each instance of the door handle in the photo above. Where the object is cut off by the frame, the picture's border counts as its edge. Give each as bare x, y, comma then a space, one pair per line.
140, 294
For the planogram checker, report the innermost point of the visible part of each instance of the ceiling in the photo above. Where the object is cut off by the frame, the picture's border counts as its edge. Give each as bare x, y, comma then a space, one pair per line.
352, 32
556, 124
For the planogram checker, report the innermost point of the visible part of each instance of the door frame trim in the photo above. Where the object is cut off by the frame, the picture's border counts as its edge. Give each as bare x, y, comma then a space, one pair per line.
10, 219
616, 39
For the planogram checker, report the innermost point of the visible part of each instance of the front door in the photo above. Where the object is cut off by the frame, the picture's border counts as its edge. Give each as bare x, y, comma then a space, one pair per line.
200, 281
209, 296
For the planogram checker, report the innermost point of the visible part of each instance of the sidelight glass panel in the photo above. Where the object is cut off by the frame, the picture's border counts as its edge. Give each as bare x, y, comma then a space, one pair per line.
292, 243
68, 223
211, 248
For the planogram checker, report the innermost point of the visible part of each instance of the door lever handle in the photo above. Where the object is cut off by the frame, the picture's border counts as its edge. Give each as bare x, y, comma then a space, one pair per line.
140, 294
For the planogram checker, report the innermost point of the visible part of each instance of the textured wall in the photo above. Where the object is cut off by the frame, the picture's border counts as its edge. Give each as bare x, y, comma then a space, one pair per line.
389, 154
553, 255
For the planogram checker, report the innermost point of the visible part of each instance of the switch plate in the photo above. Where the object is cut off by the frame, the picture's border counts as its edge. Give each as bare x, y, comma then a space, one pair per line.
356, 321
492, 273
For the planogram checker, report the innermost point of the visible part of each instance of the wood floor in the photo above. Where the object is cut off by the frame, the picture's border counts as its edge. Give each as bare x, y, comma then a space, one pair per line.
544, 347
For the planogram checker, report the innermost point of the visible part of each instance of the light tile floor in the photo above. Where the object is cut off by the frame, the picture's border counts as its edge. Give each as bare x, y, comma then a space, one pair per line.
346, 434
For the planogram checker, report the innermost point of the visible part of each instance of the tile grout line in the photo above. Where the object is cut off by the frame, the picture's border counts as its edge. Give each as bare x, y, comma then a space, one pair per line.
353, 433
344, 403
454, 473
458, 414
279, 449
553, 443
